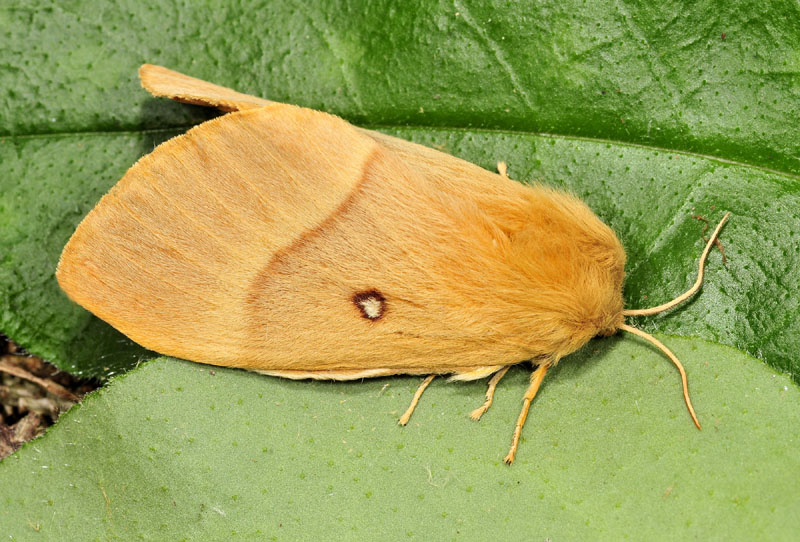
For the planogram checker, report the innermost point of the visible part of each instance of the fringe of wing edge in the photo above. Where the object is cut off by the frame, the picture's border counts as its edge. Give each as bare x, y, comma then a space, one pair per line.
471, 373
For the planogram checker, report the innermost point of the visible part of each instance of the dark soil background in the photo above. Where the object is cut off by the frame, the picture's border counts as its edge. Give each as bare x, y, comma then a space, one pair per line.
33, 394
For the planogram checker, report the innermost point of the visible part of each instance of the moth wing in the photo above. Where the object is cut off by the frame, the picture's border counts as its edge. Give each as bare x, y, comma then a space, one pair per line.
167, 255
284, 240
402, 278
503, 199
165, 83
252, 240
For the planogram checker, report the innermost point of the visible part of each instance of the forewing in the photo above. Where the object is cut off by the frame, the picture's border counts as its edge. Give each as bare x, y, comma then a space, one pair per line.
167, 255
286, 240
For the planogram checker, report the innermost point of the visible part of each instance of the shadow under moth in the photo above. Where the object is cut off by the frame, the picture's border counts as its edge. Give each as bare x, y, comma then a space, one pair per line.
286, 241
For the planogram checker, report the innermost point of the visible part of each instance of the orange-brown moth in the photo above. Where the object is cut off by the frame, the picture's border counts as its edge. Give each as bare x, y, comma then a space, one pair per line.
286, 241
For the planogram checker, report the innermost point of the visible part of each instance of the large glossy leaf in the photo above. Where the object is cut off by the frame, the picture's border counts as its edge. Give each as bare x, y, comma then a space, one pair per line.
717, 78
653, 113
497, 78
175, 451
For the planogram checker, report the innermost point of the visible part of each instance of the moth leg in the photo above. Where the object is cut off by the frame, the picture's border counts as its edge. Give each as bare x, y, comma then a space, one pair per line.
478, 412
405, 417
502, 169
536, 379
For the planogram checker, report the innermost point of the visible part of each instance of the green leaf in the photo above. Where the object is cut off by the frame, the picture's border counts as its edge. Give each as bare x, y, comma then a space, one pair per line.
649, 113
652, 113
717, 78
176, 451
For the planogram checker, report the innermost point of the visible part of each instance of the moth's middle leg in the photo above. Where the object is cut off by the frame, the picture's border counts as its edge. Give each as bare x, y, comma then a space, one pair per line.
407, 415
478, 412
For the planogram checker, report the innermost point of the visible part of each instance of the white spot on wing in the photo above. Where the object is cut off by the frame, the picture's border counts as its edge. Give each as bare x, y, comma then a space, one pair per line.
372, 307
371, 303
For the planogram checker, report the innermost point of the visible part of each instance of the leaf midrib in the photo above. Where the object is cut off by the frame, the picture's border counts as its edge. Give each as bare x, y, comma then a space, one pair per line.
446, 129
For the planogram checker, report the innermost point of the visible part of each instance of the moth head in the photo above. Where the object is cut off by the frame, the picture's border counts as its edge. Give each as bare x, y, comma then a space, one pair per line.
612, 325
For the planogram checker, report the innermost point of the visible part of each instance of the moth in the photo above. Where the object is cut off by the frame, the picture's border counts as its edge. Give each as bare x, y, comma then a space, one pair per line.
286, 241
